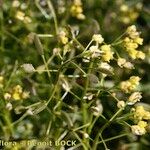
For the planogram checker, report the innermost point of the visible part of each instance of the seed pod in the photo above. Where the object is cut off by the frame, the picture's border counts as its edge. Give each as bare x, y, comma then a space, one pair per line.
38, 44
28, 68
39, 108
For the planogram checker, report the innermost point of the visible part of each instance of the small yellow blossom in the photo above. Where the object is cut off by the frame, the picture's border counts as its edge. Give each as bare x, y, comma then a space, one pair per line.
138, 40
133, 53
140, 113
134, 97
98, 38
124, 8
63, 37
94, 51
15, 3
7, 96
140, 128
25, 95
20, 15
9, 106
130, 85
107, 53
135, 80
77, 10
140, 55
132, 32
121, 104
27, 19
16, 96
80, 17
131, 43
18, 93
128, 65
123, 63
17, 89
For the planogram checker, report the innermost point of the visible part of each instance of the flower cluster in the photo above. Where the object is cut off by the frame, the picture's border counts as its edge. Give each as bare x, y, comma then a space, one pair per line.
16, 93
134, 97
128, 14
77, 10
140, 114
132, 41
130, 85
140, 128
124, 63
107, 53
63, 37
20, 15
104, 51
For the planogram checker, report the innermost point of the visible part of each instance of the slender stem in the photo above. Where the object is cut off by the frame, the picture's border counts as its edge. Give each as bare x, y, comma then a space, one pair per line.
20, 119
118, 38
78, 67
46, 66
84, 146
48, 128
51, 7
115, 137
45, 35
88, 45
103, 142
41, 9
103, 128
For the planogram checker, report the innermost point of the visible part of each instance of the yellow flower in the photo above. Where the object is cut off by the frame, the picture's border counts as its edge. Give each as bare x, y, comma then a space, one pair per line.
142, 124
20, 15
146, 115
140, 113
94, 51
133, 53
129, 85
138, 40
17, 89
77, 10
125, 86
132, 32
134, 97
121, 104
140, 55
139, 129
98, 38
121, 62
7, 96
107, 53
27, 19
15, 3
25, 95
63, 37
16, 96
124, 8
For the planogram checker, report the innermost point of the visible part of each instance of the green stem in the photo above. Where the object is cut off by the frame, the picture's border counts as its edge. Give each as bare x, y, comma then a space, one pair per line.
51, 7
46, 66
104, 127
113, 138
